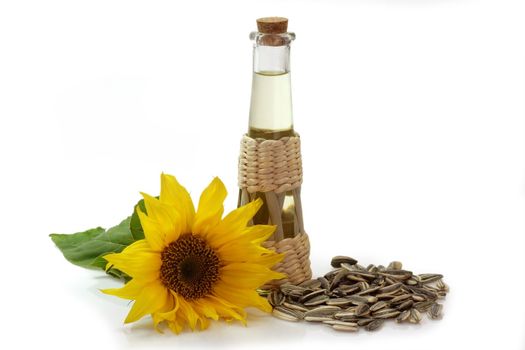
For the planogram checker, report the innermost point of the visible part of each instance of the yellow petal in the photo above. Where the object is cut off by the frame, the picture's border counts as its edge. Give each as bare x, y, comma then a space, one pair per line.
131, 290
210, 208
144, 266
169, 221
241, 252
258, 233
140, 246
167, 312
246, 275
171, 313
175, 326
153, 298
227, 310
187, 312
205, 307
233, 224
241, 297
152, 231
172, 193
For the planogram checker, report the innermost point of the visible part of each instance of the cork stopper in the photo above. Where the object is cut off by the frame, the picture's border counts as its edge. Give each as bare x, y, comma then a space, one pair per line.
272, 25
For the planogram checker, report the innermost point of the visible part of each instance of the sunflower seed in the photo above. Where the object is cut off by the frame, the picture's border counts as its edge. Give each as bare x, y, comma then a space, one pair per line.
429, 278
324, 282
311, 284
369, 290
337, 278
371, 268
323, 311
395, 265
396, 275
355, 278
356, 299
345, 314
291, 290
403, 316
417, 297
276, 298
442, 286
391, 288
317, 318
311, 295
337, 260
339, 327
405, 305
415, 316
294, 306
435, 311
318, 300
285, 314
385, 315
423, 305
341, 323
363, 285
364, 321
348, 289
375, 324
364, 274
378, 306
401, 298
362, 309
331, 274
412, 282
338, 301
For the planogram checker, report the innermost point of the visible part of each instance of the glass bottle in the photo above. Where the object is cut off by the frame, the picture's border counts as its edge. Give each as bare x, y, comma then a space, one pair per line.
271, 114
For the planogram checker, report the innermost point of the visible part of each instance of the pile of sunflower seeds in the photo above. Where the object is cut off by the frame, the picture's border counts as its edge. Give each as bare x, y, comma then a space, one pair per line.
352, 296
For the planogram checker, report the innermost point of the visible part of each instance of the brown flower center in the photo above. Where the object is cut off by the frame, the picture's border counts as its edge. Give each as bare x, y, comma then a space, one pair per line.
190, 267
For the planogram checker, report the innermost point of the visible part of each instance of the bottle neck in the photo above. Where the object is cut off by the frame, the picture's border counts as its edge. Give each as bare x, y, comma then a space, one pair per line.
271, 99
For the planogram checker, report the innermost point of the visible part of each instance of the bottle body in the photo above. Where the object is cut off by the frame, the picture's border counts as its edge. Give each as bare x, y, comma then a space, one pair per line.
271, 118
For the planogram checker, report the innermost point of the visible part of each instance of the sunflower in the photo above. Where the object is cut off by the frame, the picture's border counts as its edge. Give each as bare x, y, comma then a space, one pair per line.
195, 266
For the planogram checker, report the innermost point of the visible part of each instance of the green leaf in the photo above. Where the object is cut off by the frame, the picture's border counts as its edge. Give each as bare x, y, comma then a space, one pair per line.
87, 248
135, 225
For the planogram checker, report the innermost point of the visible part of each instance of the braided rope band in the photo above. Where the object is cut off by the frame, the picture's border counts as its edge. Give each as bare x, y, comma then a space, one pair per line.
270, 165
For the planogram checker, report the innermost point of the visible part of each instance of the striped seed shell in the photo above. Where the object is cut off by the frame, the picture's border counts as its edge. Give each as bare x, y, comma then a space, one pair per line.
415, 316
276, 298
337, 260
342, 328
318, 300
395, 265
403, 316
378, 306
405, 305
362, 309
342, 323
323, 311
294, 306
435, 311
286, 314
311, 295
317, 318
338, 301
375, 324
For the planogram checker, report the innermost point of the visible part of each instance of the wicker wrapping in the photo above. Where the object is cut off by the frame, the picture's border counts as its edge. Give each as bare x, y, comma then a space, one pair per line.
296, 262
270, 165
274, 167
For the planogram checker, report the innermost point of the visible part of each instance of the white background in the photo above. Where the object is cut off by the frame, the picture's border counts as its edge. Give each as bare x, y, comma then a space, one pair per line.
412, 120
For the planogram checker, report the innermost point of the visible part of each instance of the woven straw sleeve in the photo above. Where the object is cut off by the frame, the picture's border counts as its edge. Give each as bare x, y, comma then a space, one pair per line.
274, 167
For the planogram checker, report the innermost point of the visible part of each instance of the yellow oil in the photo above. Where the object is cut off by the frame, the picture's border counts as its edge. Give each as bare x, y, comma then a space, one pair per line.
271, 119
